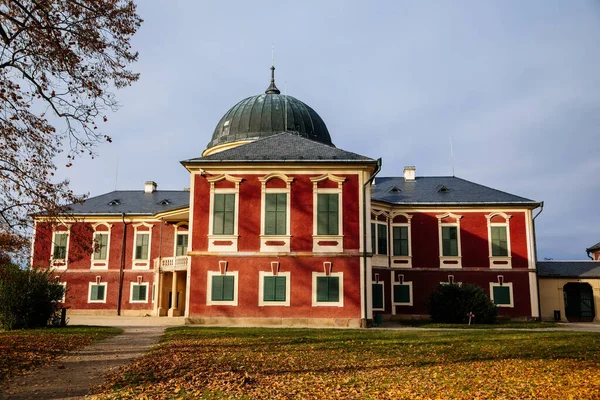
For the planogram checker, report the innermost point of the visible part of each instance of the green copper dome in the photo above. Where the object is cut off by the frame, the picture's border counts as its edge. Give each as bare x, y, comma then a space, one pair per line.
265, 115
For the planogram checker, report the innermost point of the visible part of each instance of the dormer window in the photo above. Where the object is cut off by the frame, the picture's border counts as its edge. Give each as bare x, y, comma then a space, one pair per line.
114, 202
164, 202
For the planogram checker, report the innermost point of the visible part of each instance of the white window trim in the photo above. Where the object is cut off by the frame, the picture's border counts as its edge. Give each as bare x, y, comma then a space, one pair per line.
62, 263
105, 284
142, 264
131, 285
212, 238
380, 260
316, 303
401, 261
339, 238
499, 262
209, 301
64, 285
449, 261
264, 238
510, 286
383, 294
180, 231
261, 288
100, 264
407, 283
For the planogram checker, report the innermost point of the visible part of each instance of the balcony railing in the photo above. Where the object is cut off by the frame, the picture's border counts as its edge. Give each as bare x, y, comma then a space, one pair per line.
170, 264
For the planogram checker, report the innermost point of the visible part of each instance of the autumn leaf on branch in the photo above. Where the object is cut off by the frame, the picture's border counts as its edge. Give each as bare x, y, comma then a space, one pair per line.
59, 62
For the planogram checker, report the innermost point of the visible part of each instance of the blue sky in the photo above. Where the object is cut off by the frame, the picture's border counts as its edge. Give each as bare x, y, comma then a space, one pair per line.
515, 84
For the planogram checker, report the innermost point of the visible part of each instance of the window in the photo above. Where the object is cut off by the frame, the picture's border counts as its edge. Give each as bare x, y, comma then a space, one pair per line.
142, 241
502, 294
450, 241
373, 238
275, 213
402, 294
100, 246
378, 297
381, 239
328, 290
222, 288
223, 214
64, 288
59, 250
499, 241
400, 237
181, 244
327, 214
138, 292
97, 292
274, 290
142, 245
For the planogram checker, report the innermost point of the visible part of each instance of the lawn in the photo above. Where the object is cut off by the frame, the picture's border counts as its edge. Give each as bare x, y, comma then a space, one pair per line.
22, 350
499, 325
251, 363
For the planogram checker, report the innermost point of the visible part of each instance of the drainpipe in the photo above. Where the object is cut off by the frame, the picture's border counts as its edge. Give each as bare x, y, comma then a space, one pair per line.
535, 255
122, 265
364, 193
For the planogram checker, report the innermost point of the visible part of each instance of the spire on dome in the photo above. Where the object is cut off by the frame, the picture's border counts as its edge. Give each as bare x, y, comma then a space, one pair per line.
272, 88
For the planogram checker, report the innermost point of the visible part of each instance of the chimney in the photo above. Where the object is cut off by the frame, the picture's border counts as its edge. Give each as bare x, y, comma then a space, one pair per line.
409, 173
149, 186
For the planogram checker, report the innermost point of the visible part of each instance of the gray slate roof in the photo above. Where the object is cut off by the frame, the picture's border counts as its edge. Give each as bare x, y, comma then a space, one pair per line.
133, 202
282, 147
569, 269
595, 247
441, 190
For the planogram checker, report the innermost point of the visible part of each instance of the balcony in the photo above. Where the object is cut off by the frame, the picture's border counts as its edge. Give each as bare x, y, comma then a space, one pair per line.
170, 264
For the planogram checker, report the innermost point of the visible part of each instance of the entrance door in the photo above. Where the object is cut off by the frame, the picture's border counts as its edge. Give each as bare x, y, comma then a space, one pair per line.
579, 302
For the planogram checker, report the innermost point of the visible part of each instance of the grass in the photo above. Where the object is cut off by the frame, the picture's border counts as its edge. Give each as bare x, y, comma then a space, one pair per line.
499, 325
251, 363
23, 350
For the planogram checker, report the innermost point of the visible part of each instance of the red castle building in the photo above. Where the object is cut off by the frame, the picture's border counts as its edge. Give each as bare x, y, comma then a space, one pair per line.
280, 227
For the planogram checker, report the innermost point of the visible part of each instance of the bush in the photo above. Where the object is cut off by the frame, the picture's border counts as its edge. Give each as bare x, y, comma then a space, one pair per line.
452, 303
29, 298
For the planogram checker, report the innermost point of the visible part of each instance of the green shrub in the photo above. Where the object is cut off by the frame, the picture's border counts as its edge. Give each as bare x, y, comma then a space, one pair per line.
29, 298
452, 303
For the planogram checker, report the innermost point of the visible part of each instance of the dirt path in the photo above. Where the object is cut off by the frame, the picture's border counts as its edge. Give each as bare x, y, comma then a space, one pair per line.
72, 376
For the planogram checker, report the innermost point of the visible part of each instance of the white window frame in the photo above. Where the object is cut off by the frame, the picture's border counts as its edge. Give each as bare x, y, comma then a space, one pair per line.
179, 230
510, 287
383, 294
131, 285
261, 288
214, 240
283, 241
449, 261
499, 262
316, 303
401, 261
60, 263
100, 264
209, 300
142, 264
318, 246
407, 283
105, 284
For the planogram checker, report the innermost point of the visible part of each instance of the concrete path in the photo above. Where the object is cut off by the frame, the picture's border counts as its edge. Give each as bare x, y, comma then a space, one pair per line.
72, 376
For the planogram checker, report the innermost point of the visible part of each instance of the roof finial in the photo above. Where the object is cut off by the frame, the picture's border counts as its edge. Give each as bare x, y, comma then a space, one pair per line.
272, 88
